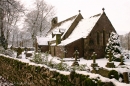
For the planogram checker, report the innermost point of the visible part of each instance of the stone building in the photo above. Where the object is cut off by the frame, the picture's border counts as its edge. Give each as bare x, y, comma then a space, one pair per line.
76, 33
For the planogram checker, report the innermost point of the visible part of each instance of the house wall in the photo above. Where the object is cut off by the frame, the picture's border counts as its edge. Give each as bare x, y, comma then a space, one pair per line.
57, 51
60, 51
44, 48
68, 50
98, 38
76, 45
52, 49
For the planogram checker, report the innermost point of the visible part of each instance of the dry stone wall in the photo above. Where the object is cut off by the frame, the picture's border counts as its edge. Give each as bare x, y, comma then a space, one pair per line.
23, 74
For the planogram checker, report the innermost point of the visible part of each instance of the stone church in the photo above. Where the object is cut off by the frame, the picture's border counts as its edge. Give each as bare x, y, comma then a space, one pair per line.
76, 33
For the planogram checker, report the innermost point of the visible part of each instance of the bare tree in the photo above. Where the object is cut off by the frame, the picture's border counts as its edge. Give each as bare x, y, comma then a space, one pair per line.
125, 41
9, 14
38, 20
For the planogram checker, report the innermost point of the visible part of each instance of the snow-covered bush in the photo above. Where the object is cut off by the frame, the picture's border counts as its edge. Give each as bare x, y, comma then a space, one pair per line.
113, 74
82, 67
114, 46
2, 50
37, 58
9, 52
62, 66
45, 58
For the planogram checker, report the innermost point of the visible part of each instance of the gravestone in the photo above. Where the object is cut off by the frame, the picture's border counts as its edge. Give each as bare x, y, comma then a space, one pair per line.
76, 53
121, 63
94, 64
125, 76
110, 64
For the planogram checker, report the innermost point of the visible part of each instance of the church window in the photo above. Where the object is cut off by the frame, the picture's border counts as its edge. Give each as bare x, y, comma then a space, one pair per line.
104, 40
91, 42
98, 38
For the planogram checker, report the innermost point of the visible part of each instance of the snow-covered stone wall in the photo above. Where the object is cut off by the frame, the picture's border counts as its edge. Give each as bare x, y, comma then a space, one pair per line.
20, 73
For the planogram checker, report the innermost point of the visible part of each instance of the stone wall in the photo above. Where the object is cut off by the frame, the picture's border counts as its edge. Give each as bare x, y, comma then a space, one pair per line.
23, 74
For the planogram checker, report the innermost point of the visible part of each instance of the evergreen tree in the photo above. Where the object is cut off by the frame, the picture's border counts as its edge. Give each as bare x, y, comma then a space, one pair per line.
114, 47
3, 42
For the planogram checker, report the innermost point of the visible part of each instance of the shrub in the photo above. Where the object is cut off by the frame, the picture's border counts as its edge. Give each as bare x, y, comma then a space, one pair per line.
113, 74
62, 66
37, 58
19, 51
9, 53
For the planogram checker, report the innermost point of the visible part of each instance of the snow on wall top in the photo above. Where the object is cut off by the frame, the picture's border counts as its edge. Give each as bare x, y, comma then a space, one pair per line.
82, 30
42, 40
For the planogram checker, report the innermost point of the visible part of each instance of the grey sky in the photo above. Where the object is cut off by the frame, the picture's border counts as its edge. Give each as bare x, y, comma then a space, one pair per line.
118, 11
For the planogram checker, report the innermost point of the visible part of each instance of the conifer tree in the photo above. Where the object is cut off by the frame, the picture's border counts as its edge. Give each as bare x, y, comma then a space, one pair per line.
114, 47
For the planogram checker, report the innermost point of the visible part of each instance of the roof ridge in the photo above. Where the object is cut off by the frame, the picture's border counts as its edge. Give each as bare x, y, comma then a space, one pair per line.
96, 15
61, 22
66, 20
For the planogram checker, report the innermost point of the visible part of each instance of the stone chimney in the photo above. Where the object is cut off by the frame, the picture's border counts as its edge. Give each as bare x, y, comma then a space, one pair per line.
58, 39
54, 21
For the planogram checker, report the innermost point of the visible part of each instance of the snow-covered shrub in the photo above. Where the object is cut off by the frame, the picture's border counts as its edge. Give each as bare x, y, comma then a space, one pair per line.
50, 63
125, 54
113, 74
114, 46
19, 51
37, 58
82, 67
45, 58
62, 66
2, 50
9, 52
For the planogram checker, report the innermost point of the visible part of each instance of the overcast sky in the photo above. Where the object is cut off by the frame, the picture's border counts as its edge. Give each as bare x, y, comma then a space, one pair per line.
118, 11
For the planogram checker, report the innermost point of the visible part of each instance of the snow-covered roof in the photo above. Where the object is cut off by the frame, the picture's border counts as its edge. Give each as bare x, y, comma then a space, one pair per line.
62, 26
65, 42
85, 26
42, 40
82, 30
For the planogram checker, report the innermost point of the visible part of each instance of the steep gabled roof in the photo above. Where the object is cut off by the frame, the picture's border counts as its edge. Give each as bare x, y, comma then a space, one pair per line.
82, 30
62, 26
85, 26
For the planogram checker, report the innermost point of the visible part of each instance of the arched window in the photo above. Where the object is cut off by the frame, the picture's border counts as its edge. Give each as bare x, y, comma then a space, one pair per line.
91, 42
104, 39
98, 38
109, 34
